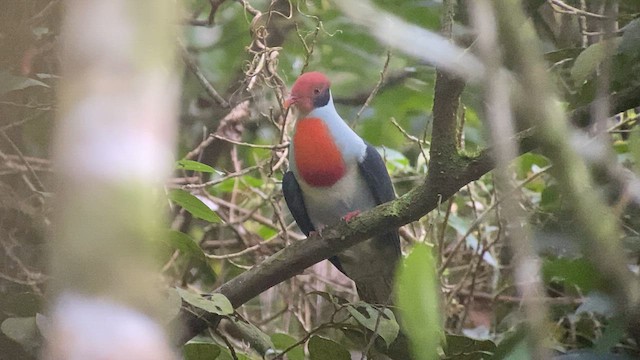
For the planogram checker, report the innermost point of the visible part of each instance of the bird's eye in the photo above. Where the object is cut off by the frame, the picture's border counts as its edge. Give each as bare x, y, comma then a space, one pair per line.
316, 91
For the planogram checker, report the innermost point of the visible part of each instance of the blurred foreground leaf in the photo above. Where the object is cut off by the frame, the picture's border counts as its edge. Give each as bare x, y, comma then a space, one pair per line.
418, 297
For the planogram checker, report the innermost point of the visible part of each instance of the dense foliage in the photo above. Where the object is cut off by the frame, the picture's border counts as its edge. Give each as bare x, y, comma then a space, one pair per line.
226, 208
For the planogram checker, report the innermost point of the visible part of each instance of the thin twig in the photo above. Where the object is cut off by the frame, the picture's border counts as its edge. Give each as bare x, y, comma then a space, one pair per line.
480, 217
24, 160
372, 341
215, 4
373, 93
37, 18
20, 122
220, 180
202, 79
232, 350
235, 115
308, 50
568, 9
255, 146
254, 216
518, 299
239, 253
304, 339
412, 138
248, 8
443, 229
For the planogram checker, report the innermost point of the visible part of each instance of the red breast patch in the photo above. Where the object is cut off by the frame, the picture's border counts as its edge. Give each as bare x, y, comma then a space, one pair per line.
317, 157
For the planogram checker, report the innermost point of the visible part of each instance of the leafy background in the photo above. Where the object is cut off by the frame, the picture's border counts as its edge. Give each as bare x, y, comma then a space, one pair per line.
225, 204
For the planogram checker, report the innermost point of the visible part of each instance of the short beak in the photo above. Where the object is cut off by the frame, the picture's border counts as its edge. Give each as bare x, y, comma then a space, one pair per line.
289, 101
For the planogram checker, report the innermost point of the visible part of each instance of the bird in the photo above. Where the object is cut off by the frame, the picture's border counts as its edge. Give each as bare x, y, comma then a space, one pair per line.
334, 175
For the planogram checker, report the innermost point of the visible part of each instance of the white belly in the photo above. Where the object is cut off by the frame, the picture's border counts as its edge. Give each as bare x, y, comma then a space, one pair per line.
371, 264
327, 205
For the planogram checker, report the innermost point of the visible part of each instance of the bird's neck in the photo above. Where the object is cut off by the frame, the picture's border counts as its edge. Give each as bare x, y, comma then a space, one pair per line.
347, 141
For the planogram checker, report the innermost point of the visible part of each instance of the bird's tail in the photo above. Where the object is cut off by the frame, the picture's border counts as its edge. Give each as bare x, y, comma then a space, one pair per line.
372, 265
376, 290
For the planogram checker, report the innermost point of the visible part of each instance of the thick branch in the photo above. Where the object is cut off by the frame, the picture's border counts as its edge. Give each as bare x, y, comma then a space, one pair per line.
445, 110
293, 259
625, 99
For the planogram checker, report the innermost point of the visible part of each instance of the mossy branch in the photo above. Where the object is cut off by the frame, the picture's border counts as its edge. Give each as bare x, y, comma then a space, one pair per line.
298, 256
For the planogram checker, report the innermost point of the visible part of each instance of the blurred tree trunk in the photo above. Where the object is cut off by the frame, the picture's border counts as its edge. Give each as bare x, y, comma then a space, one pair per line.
113, 150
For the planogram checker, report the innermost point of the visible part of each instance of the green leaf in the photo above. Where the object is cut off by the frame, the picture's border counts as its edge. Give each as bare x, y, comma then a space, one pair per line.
630, 43
190, 249
186, 244
283, 342
229, 185
43, 324
326, 349
195, 166
9, 82
266, 232
198, 350
252, 181
513, 346
461, 226
226, 355
367, 315
21, 304
530, 163
171, 305
22, 330
217, 304
550, 198
577, 272
612, 334
562, 54
586, 354
587, 62
418, 297
634, 148
621, 146
193, 205
258, 340
395, 160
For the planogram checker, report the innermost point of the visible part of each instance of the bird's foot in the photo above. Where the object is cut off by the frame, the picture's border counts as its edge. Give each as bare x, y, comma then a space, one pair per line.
318, 232
350, 215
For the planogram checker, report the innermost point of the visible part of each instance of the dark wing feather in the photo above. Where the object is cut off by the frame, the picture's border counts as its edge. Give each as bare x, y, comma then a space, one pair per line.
295, 202
377, 178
